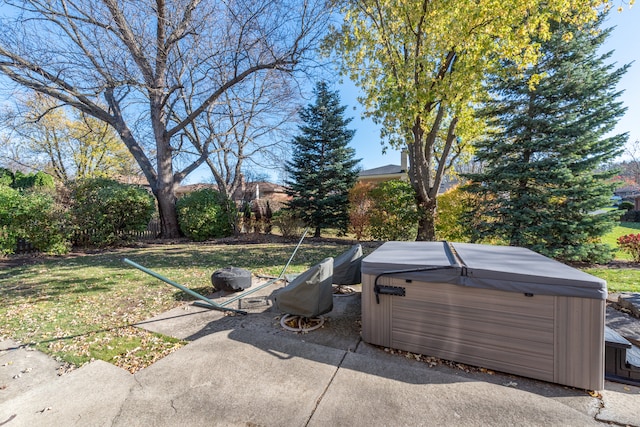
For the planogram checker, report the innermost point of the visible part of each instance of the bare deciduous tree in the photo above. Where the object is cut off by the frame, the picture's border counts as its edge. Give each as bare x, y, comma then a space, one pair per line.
632, 166
247, 127
43, 135
131, 63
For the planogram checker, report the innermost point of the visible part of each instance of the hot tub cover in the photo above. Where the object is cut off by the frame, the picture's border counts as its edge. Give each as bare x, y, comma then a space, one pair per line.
505, 268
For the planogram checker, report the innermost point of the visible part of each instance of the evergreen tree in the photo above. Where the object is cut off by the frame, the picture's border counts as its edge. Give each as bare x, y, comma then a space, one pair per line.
542, 183
322, 169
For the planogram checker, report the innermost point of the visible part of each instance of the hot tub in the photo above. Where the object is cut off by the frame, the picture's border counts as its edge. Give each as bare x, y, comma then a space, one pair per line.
504, 308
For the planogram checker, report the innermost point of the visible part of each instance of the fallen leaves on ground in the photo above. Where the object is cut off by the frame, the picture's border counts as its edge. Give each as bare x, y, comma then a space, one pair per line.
81, 307
434, 361
103, 345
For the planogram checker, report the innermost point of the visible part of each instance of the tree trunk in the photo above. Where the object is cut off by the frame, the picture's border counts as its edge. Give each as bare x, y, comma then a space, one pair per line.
420, 171
426, 180
427, 223
166, 181
168, 214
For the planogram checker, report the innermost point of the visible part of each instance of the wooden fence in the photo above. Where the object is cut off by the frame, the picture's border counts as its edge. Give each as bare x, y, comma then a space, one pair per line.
24, 247
152, 232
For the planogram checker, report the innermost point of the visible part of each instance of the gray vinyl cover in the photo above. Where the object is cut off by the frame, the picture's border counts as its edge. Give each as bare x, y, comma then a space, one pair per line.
346, 267
504, 268
310, 294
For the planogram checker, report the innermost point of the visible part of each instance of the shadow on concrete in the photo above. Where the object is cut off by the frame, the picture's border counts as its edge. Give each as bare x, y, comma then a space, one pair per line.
341, 332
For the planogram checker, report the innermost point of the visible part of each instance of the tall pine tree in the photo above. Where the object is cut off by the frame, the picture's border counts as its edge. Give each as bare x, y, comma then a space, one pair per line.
322, 169
542, 180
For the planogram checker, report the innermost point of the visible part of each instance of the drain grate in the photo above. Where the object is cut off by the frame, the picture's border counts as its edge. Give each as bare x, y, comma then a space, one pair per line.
254, 302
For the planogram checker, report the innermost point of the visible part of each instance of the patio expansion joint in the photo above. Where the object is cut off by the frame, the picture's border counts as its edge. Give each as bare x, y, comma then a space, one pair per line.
597, 415
136, 385
608, 421
324, 392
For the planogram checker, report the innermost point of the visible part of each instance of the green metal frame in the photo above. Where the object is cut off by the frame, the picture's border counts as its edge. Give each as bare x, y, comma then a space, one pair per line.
209, 303
270, 282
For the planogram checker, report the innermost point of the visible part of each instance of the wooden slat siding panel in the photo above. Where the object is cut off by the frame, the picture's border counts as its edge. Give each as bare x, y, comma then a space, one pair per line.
376, 318
579, 342
472, 321
493, 329
505, 313
526, 365
467, 297
559, 339
498, 345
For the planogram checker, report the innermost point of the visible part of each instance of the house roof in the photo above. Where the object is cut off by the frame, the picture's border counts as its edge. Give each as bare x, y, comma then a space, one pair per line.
267, 187
383, 170
132, 179
188, 188
630, 188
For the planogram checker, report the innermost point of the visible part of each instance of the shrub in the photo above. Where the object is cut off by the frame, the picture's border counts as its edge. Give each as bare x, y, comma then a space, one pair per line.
630, 243
288, 224
394, 215
47, 221
33, 180
261, 213
360, 204
34, 217
19, 180
626, 205
6, 177
630, 216
244, 222
9, 203
205, 214
454, 207
106, 212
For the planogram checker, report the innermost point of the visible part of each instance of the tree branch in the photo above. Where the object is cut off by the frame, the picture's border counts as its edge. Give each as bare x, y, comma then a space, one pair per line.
451, 136
230, 83
127, 36
67, 93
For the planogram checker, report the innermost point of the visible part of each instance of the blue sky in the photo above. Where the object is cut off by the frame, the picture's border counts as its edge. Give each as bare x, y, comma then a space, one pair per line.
624, 41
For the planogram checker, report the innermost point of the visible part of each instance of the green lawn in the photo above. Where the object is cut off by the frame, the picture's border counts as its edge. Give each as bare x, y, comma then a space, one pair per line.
621, 230
83, 307
619, 279
79, 308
